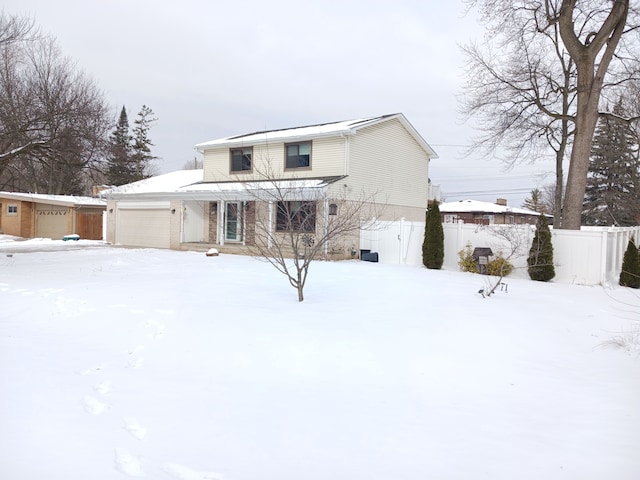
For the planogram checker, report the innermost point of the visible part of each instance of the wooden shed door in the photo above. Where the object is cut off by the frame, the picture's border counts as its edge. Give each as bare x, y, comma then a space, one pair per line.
89, 225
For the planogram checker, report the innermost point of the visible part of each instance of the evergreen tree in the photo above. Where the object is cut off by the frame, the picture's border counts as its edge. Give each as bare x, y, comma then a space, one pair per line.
535, 202
141, 156
119, 163
612, 193
540, 260
433, 244
630, 274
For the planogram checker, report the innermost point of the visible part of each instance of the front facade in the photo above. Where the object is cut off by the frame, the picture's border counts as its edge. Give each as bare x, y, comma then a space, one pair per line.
51, 216
298, 178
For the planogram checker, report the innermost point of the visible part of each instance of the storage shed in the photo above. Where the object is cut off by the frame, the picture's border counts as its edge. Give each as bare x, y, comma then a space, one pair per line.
30, 215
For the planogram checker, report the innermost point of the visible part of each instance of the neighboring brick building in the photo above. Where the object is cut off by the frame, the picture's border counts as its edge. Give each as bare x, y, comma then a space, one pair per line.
485, 213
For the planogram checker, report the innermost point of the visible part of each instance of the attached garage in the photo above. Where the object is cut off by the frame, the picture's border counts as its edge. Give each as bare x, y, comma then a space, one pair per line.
143, 226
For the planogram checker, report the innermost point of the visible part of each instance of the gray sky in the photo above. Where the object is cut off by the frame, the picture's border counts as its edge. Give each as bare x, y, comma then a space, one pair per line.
210, 69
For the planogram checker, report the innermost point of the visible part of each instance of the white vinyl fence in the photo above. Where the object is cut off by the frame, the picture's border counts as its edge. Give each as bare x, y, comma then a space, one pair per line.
591, 256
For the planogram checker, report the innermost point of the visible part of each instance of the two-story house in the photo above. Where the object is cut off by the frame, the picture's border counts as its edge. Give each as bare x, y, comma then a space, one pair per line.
248, 178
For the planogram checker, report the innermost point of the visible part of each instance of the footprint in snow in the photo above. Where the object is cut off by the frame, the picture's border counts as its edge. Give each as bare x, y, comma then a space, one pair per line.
128, 464
96, 369
159, 328
102, 388
180, 472
134, 428
135, 363
94, 406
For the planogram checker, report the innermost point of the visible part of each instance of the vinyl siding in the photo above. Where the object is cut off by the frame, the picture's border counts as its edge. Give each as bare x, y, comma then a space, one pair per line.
385, 159
327, 159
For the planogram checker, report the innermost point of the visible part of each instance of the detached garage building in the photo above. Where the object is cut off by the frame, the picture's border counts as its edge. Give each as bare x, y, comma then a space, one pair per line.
30, 215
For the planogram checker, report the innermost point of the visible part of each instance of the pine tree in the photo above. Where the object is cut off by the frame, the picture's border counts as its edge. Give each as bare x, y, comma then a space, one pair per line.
630, 273
433, 244
141, 156
612, 193
119, 165
540, 258
535, 202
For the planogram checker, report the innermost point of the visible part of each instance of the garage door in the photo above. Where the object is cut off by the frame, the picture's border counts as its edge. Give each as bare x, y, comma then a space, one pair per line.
52, 221
143, 227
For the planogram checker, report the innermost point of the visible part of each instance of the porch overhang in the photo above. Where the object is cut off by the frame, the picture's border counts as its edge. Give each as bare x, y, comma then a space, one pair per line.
271, 190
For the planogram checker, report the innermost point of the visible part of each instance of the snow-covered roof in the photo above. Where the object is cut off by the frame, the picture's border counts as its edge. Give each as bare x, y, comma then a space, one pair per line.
472, 206
62, 200
165, 183
344, 127
188, 184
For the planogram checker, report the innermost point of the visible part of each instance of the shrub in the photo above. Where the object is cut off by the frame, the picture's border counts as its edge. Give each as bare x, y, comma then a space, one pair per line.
466, 261
630, 274
499, 267
433, 245
540, 258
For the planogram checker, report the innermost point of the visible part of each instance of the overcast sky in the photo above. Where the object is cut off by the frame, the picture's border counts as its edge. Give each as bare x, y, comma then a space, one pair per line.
210, 69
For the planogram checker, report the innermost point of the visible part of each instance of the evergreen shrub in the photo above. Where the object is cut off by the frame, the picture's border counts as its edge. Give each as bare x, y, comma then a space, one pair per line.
540, 260
630, 273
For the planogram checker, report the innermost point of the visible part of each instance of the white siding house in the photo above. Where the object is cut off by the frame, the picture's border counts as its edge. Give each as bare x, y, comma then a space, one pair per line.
383, 157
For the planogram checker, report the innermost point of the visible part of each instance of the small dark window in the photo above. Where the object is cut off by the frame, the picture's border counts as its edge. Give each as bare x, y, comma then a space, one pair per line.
241, 159
298, 155
12, 209
296, 217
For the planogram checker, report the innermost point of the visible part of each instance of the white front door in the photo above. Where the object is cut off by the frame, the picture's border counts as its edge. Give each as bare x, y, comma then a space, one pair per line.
233, 222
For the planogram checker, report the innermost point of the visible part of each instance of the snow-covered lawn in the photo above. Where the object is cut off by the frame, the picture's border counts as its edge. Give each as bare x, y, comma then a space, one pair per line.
174, 365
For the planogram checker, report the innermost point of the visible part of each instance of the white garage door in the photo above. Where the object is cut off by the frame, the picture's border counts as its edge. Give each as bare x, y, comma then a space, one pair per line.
143, 227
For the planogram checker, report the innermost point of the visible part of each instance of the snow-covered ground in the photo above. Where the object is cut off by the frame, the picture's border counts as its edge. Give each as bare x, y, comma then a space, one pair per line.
173, 365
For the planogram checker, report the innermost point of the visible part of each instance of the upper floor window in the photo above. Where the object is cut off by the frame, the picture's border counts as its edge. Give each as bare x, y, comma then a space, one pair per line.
12, 209
241, 159
298, 155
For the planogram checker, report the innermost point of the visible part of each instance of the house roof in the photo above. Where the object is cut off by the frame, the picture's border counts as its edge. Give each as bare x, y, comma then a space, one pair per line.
165, 183
344, 127
188, 184
475, 206
62, 200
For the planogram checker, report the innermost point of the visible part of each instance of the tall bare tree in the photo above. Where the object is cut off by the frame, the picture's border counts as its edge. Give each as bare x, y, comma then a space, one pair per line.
592, 49
53, 118
522, 84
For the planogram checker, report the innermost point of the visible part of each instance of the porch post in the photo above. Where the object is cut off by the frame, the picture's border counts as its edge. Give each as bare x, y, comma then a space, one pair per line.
221, 222
270, 225
325, 226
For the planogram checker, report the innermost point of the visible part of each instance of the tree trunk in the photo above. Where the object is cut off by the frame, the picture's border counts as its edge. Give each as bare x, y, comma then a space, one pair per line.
590, 79
586, 119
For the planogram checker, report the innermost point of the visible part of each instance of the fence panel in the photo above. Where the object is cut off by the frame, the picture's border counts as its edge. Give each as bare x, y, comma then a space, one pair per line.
591, 256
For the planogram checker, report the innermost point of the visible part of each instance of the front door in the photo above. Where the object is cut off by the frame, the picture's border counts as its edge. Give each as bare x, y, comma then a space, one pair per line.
233, 222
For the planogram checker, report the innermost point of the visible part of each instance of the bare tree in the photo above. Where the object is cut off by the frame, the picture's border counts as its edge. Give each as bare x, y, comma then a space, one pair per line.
514, 238
194, 164
296, 221
523, 83
53, 119
16, 29
592, 49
